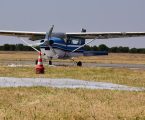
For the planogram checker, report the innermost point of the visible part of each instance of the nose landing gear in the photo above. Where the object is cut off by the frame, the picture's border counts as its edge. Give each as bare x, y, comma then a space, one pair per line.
50, 62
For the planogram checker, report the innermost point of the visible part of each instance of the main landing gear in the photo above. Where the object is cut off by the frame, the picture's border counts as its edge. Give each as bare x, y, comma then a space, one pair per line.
79, 64
50, 62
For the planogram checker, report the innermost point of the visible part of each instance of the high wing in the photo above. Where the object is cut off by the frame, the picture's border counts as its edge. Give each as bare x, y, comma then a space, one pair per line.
30, 35
105, 35
86, 35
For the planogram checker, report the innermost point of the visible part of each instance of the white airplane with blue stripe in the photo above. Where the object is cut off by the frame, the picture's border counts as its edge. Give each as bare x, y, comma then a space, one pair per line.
67, 45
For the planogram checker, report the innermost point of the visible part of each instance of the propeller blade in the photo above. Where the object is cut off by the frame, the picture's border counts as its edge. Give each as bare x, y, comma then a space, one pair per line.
48, 34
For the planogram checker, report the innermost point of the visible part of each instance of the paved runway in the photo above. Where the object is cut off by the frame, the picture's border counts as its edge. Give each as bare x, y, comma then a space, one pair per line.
62, 83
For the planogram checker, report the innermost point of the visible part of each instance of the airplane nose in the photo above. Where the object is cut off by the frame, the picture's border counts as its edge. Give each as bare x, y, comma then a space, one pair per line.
51, 42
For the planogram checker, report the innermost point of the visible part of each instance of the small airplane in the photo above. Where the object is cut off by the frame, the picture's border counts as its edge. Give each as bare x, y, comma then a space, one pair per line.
66, 45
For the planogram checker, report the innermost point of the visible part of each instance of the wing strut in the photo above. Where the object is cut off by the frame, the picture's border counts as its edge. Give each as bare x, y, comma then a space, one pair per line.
30, 45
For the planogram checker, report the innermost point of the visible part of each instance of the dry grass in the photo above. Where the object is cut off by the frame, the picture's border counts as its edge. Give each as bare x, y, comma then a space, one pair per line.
17, 56
117, 58
111, 58
42, 103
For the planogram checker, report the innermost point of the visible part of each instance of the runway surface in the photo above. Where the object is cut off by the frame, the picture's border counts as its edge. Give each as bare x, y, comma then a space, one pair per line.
62, 63
132, 66
109, 65
62, 83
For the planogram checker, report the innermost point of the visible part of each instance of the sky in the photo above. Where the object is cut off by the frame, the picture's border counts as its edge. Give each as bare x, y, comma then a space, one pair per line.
73, 15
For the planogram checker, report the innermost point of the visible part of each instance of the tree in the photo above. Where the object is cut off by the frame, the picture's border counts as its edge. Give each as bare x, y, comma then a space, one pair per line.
19, 47
103, 47
6, 47
12, 47
113, 49
87, 48
123, 49
133, 50
141, 50
95, 48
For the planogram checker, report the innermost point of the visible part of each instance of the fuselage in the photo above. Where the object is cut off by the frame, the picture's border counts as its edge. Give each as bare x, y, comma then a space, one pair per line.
61, 49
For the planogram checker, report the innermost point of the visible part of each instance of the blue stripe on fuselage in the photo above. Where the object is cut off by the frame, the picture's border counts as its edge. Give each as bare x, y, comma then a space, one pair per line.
60, 44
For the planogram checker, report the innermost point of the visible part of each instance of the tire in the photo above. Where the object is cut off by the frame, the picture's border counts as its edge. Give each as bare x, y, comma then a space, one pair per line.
50, 62
36, 62
79, 64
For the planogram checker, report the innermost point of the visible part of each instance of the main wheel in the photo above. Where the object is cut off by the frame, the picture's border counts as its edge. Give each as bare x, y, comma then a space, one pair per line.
50, 62
79, 63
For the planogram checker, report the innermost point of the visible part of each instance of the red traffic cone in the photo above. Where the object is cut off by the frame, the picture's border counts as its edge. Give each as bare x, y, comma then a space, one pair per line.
39, 67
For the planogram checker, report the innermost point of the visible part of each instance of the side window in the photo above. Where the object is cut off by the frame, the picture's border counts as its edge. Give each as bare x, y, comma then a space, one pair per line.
75, 42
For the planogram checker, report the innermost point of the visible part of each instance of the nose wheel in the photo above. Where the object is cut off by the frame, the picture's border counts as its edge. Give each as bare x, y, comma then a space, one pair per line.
50, 62
79, 64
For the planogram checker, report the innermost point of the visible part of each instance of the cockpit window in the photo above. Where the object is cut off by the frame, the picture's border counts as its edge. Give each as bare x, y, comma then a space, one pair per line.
73, 41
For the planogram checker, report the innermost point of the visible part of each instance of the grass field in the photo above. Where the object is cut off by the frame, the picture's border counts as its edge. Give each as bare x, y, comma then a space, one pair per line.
43, 103
111, 58
40, 103
115, 75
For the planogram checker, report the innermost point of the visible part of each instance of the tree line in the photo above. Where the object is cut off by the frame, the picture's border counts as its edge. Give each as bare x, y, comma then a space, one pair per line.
120, 49
17, 47
102, 47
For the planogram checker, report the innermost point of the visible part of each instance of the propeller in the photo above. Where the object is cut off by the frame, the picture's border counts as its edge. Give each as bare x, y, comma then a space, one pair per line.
48, 36
47, 41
